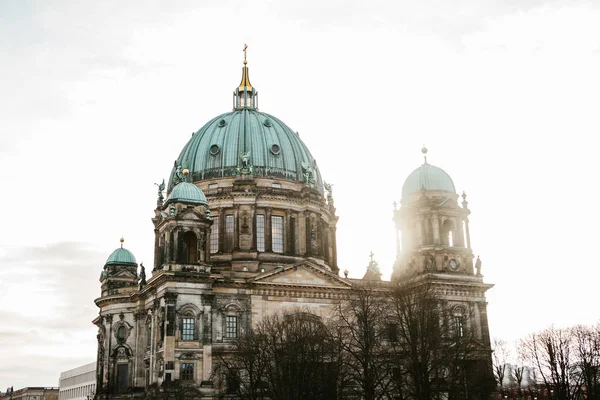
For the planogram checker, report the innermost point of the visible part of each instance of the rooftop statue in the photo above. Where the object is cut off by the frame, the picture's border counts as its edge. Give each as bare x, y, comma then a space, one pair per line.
478, 266
161, 188
245, 165
308, 172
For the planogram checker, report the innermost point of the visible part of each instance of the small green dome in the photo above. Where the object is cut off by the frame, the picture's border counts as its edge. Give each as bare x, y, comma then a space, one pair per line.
121, 256
186, 192
275, 150
429, 177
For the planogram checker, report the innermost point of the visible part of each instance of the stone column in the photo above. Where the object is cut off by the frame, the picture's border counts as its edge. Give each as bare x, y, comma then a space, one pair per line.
288, 249
419, 238
468, 233
459, 240
236, 227
157, 255
308, 227
333, 263
268, 233
221, 222
207, 245
436, 228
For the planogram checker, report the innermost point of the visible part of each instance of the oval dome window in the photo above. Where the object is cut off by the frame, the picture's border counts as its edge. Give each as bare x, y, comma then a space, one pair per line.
222, 123
267, 123
275, 149
214, 150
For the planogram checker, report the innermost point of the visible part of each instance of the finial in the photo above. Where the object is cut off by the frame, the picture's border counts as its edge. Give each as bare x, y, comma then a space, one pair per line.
346, 273
424, 151
121, 240
245, 47
371, 255
185, 171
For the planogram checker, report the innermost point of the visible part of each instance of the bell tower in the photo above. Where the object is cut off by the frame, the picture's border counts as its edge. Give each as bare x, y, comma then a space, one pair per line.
432, 228
434, 249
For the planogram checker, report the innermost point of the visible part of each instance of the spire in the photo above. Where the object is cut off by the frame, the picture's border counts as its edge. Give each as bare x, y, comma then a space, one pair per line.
245, 95
424, 151
245, 83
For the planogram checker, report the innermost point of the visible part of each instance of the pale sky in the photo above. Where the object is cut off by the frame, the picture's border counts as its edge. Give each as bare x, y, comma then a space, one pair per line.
98, 98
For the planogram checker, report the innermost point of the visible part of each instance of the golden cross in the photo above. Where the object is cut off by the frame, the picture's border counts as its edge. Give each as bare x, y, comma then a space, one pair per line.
371, 255
245, 47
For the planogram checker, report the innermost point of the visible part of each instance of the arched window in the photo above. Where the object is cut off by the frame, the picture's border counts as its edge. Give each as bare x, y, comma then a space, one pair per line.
122, 333
190, 245
189, 322
458, 320
448, 232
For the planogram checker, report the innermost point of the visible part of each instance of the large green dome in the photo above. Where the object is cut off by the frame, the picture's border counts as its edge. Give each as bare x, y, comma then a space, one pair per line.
428, 177
275, 150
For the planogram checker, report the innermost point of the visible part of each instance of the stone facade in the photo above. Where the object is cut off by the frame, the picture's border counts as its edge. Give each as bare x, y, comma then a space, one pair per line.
254, 240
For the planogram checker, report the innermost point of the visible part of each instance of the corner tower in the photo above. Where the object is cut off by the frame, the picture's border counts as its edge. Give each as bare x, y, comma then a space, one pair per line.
434, 250
432, 229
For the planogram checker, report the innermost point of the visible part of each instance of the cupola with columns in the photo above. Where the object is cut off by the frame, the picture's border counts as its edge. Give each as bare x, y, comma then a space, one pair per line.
182, 229
432, 228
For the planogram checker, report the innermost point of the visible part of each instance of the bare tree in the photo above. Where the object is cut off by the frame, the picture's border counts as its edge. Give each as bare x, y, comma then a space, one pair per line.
435, 352
500, 358
175, 390
549, 351
286, 356
364, 336
586, 343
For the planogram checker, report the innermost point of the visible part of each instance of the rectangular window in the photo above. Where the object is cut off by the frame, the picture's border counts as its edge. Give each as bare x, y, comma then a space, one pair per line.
187, 329
187, 372
277, 233
276, 185
459, 325
392, 332
229, 233
231, 327
214, 236
260, 232
213, 185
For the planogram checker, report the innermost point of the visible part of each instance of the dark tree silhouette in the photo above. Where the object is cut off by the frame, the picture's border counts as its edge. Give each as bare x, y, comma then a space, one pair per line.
286, 356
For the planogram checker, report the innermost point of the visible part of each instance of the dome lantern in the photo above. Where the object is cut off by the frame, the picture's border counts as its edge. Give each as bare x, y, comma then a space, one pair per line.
245, 95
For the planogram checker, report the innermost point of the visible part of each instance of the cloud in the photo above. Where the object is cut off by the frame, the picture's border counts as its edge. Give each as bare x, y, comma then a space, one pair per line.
46, 307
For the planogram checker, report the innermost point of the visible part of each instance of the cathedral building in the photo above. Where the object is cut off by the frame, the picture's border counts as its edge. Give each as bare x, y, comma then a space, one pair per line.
248, 228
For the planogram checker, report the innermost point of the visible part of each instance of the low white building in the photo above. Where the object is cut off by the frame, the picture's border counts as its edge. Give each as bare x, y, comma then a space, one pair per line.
78, 383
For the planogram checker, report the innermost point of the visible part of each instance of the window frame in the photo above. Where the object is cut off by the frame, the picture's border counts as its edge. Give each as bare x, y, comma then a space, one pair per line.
186, 372
277, 234
214, 236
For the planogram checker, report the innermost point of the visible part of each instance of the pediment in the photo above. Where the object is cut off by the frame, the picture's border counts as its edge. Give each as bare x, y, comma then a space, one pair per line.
190, 214
302, 275
125, 274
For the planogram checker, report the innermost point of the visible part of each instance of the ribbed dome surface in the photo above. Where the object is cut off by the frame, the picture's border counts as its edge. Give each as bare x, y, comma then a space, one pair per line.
121, 256
429, 177
275, 150
186, 192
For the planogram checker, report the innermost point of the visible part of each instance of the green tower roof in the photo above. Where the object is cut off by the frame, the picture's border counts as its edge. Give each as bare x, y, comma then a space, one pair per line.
429, 177
121, 256
185, 192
